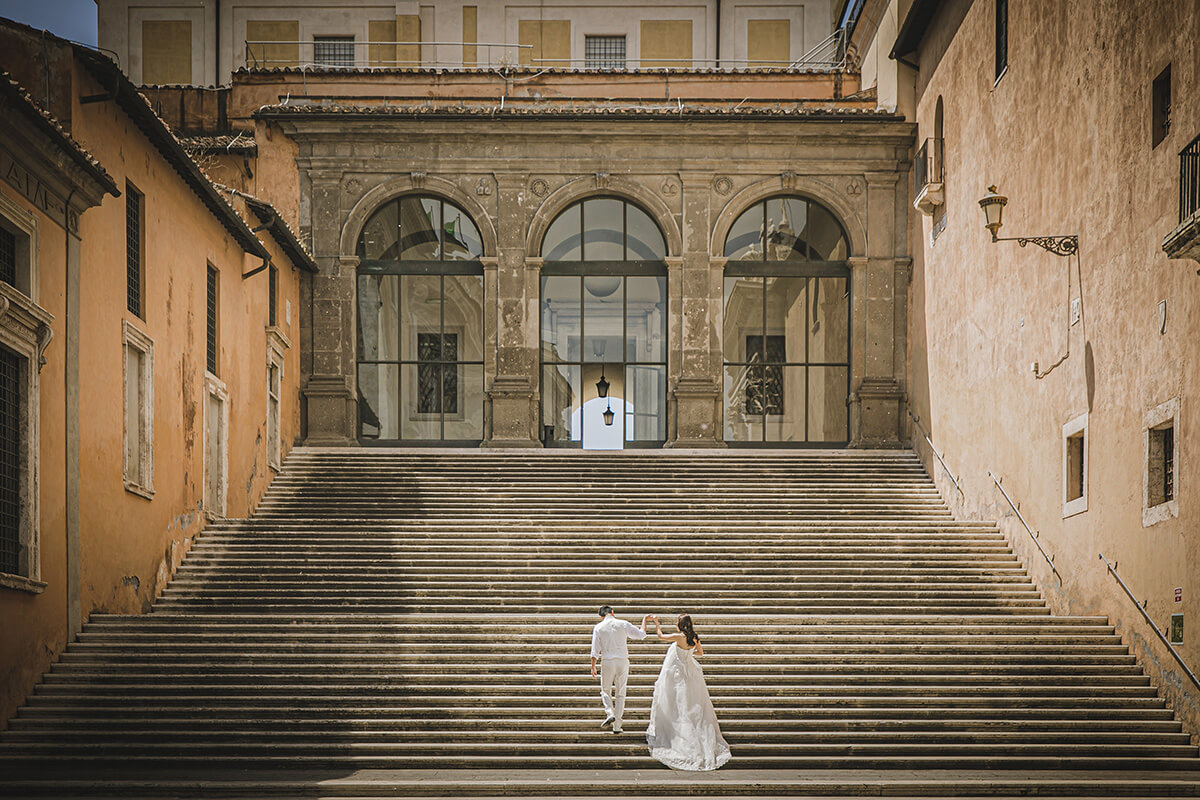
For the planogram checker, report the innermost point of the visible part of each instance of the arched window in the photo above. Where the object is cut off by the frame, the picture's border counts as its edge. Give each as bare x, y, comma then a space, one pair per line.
604, 321
603, 229
786, 326
420, 324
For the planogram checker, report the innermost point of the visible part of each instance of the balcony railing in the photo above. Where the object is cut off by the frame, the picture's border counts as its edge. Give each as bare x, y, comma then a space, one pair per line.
1189, 180
927, 166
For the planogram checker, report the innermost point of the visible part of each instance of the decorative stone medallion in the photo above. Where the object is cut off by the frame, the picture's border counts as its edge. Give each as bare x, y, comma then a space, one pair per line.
353, 186
483, 187
854, 187
669, 188
539, 187
722, 185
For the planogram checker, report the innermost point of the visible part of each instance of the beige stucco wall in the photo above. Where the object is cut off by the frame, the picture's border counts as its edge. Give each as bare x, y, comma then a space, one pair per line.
1065, 133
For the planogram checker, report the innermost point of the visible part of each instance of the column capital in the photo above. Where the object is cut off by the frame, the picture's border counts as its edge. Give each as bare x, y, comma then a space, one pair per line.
489, 263
674, 262
534, 263
882, 180
857, 262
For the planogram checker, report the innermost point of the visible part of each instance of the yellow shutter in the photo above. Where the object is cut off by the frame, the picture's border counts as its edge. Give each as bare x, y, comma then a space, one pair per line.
166, 51
768, 42
381, 30
666, 43
286, 54
470, 35
549, 40
408, 29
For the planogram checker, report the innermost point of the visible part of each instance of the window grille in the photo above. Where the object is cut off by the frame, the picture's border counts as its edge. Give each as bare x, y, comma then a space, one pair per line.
211, 332
604, 52
1001, 37
272, 288
133, 250
333, 51
8, 257
10, 462
1168, 448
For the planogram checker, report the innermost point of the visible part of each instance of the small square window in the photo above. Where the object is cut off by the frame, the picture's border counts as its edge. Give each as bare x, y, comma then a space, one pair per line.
1160, 112
604, 52
1075, 466
1162, 464
1160, 489
1176, 630
333, 51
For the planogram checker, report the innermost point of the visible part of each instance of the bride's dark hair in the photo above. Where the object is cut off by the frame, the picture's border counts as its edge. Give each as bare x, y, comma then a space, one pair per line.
684, 624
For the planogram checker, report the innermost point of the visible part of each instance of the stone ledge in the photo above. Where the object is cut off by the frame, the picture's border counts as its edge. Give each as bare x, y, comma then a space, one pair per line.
1184, 241
21, 583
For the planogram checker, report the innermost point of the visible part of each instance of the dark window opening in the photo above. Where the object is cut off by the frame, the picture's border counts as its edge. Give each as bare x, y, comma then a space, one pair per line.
272, 291
333, 51
133, 250
1161, 466
1075, 466
604, 52
430, 361
1001, 37
8, 257
10, 462
212, 320
1160, 119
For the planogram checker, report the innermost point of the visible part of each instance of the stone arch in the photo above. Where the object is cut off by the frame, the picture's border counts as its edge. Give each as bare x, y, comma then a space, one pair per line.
399, 186
809, 188
582, 188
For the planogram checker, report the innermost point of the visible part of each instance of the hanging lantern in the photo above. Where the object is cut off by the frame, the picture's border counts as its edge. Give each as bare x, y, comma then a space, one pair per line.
609, 416
602, 385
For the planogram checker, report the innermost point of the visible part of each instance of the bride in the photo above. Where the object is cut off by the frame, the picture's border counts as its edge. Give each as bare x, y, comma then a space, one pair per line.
683, 731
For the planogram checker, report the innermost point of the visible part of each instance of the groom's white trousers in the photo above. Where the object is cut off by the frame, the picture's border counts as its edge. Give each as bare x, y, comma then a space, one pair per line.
614, 674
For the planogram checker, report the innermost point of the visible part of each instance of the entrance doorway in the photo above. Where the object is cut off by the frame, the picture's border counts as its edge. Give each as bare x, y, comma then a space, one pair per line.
604, 334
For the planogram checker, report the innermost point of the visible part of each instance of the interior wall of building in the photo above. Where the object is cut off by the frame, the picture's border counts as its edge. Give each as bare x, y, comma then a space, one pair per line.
1010, 346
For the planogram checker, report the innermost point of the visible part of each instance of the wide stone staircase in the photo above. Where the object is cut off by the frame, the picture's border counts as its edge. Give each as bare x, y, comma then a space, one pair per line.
410, 623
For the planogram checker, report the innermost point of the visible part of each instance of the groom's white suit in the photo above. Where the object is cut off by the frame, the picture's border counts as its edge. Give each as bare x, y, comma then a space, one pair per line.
609, 646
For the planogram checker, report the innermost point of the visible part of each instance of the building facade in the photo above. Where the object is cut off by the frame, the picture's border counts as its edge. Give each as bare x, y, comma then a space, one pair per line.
184, 42
148, 366
1064, 381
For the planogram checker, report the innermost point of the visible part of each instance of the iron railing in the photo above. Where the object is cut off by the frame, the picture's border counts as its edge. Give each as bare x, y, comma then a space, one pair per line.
1112, 568
936, 454
1189, 180
265, 54
927, 165
1049, 558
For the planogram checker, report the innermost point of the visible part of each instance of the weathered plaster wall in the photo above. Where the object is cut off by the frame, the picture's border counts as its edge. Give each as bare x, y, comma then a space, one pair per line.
1065, 133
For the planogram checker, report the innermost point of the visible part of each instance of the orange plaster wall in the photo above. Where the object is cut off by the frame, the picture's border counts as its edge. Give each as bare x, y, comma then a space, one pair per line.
34, 625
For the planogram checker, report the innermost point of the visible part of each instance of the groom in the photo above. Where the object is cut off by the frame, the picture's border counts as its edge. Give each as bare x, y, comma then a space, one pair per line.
608, 645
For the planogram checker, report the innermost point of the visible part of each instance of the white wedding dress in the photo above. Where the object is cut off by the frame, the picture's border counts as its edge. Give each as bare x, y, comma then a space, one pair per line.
683, 731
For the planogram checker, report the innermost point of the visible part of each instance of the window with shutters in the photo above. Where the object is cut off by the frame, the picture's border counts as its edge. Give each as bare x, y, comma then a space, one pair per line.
139, 411
134, 245
212, 320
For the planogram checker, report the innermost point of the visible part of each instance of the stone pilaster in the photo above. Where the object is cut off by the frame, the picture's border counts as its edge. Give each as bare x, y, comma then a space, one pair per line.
512, 393
877, 399
330, 392
696, 393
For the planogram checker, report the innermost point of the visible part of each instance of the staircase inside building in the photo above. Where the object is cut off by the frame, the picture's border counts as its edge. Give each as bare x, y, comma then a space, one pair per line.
426, 616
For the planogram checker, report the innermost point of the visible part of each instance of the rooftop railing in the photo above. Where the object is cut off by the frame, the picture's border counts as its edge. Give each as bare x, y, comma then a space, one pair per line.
1189, 180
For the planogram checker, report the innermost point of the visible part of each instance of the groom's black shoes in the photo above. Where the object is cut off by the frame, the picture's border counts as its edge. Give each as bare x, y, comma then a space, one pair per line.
607, 722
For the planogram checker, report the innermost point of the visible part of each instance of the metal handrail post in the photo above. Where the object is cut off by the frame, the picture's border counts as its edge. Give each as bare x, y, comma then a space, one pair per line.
1032, 535
1142, 608
938, 455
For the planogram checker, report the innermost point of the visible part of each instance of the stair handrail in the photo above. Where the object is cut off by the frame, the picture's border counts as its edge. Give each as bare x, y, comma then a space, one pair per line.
1142, 608
936, 454
1032, 535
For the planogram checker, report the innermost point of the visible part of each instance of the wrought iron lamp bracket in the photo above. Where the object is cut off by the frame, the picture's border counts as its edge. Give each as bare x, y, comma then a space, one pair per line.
1059, 245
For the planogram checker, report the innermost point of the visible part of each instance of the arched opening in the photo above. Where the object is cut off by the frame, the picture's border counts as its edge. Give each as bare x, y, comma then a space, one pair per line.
603, 321
786, 326
420, 324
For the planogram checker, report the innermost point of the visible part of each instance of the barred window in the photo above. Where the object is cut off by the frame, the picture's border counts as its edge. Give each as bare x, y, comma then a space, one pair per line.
213, 320
10, 462
133, 249
333, 51
8, 257
272, 290
604, 52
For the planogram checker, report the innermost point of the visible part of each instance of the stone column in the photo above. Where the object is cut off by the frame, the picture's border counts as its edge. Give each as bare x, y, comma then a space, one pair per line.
330, 393
512, 393
878, 396
697, 390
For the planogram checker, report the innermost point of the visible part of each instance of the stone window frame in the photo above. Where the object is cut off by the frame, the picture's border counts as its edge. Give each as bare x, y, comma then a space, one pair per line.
138, 340
25, 330
1075, 427
275, 360
1151, 420
24, 224
215, 387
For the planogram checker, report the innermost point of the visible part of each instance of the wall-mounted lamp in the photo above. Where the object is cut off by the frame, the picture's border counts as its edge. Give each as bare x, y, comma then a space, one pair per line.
993, 205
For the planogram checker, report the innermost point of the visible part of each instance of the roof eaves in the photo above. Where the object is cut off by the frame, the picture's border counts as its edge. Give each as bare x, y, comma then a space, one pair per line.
912, 30
49, 126
572, 112
282, 232
135, 105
